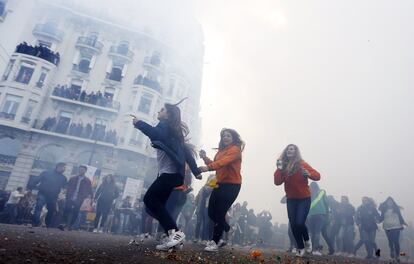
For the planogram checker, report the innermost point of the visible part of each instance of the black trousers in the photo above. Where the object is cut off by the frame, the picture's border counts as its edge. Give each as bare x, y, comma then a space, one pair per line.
156, 199
220, 202
71, 212
102, 210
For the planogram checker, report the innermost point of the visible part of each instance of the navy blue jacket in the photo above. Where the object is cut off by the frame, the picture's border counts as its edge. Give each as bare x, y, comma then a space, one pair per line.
162, 138
49, 183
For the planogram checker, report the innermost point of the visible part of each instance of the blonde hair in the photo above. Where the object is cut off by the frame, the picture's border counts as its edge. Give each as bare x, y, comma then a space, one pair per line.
291, 165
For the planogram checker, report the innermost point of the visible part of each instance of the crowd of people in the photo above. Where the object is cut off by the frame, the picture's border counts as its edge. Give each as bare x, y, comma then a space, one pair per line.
171, 213
39, 51
72, 93
80, 130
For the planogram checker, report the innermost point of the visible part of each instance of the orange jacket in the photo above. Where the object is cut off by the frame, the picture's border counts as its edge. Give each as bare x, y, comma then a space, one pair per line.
296, 185
227, 164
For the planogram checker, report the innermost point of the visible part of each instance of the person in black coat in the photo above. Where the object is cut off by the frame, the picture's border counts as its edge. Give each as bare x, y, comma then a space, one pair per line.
168, 138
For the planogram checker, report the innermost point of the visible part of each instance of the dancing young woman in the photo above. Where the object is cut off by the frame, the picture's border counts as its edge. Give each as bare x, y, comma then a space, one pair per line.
227, 164
294, 172
168, 138
393, 224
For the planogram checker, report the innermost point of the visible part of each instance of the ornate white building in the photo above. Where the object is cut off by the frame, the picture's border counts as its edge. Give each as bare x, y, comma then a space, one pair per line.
70, 80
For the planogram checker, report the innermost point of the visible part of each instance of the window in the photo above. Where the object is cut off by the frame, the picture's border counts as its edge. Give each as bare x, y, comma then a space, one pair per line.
29, 111
11, 106
115, 74
24, 75
8, 70
99, 129
109, 93
145, 103
42, 78
137, 138
63, 122
85, 63
123, 48
75, 89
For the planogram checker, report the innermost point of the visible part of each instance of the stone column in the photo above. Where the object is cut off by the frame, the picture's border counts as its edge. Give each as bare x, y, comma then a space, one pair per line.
22, 168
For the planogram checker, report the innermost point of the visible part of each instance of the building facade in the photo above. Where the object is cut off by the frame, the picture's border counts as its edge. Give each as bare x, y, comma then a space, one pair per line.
70, 81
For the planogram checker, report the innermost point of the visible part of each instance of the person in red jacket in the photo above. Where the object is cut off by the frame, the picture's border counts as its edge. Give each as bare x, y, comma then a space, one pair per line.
227, 164
294, 172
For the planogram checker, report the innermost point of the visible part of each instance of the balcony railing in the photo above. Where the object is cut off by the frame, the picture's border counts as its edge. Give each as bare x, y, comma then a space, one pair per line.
80, 69
6, 159
121, 51
49, 30
155, 62
77, 130
148, 83
40, 52
96, 100
91, 43
9, 116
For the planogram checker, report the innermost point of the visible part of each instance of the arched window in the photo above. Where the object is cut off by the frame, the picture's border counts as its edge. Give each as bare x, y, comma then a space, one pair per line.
48, 156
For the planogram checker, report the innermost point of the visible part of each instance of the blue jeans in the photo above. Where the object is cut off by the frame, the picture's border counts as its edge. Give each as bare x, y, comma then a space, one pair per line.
51, 208
298, 210
347, 235
393, 236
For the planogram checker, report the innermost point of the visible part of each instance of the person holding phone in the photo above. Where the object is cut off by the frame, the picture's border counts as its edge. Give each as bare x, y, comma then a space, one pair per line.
168, 137
294, 172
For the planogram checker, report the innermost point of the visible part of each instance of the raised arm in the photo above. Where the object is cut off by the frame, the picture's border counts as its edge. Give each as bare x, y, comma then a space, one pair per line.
279, 178
158, 132
313, 174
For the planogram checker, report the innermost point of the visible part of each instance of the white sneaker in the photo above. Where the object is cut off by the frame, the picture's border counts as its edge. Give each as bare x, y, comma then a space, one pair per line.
300, 253
162, 247
316, 253
308, 246
175, 238
211, 246
100, 231
95, 230
294, 250
222, 243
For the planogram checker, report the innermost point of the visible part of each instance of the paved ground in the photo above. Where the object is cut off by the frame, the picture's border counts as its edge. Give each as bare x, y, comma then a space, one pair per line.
20, 244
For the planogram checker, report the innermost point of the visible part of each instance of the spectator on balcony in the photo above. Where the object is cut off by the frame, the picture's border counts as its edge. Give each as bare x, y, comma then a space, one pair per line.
82, 97
79, 188
49, 183
49, 123
87, 131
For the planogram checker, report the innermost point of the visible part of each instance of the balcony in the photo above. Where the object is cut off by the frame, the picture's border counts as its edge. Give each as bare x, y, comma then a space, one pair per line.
6, 159
39, 51
48, 30
154, 62
89, 43
154, 85
76, 131
84, 71
8, 116
121, 52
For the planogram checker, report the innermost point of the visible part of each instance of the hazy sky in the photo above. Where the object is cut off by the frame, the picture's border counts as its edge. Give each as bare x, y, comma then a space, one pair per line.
334, 77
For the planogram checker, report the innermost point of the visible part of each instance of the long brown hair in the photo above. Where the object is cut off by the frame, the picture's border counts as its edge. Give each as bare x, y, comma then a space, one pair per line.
236, 138
291, 165
179, 129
